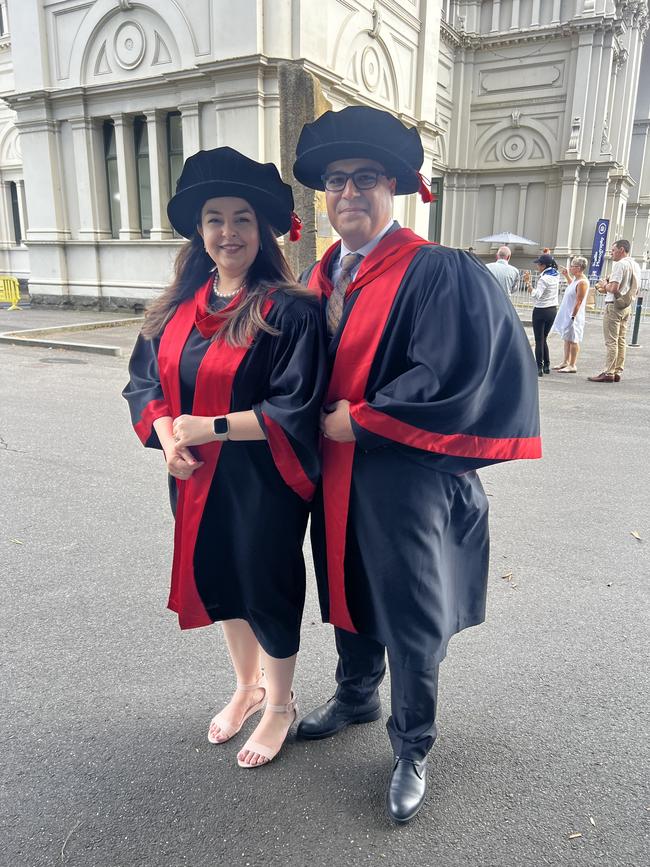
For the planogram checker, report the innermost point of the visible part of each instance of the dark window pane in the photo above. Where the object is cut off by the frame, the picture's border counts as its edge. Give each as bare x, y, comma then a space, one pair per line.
18, 234
175, 131
112, 181
435, 211
141, 137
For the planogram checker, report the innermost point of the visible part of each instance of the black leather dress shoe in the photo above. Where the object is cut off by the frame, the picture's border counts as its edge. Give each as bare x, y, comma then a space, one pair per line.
333, 717
406, 790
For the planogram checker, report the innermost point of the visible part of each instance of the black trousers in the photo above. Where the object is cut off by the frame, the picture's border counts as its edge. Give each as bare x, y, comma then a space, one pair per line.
543, 318
414, 694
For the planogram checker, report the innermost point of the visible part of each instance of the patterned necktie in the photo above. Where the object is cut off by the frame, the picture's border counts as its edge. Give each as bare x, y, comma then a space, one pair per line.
335, 304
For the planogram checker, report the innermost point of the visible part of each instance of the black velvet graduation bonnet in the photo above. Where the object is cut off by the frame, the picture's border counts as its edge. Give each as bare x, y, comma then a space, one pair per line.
359, 132
226, 172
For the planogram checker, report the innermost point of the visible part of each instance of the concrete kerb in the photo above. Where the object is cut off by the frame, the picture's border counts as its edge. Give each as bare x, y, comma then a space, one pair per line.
39, 336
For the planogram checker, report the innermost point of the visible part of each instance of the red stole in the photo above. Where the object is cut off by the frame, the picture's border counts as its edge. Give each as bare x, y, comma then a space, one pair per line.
379, 278
212, 396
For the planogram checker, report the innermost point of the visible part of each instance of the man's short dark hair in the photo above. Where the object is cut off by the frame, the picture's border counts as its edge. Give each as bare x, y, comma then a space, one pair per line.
623, 245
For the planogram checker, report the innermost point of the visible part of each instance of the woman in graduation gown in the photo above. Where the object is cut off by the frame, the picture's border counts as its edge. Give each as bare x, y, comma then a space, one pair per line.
227, 378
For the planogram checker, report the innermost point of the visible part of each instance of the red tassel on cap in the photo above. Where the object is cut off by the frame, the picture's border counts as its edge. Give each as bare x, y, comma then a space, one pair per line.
296, 227
425, 192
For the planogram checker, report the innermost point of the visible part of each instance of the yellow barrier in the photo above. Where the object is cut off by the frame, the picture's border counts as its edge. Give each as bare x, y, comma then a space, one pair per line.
10, 291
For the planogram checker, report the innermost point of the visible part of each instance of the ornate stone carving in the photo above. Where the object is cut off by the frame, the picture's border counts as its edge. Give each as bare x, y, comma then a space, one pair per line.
125, 5
130, 44
514, 148
515, 117
574, 137
376, 22
370, 68
605, 146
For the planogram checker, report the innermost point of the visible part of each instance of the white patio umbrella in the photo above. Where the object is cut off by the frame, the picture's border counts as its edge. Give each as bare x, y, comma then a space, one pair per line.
508, 238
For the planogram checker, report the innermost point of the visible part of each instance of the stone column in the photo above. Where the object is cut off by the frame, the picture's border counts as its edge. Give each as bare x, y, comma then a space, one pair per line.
496, 12
556, 12
22, 210
566, 213
92, 224
160, 229
581, 57
127, 178
521, 216
40, 145
7, 234
514, 17
534, 20
191, 129
498, 206
22, 205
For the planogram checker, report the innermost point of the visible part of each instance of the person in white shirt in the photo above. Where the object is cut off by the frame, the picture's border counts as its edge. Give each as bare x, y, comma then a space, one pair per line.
545, 296
507, 276
620, 291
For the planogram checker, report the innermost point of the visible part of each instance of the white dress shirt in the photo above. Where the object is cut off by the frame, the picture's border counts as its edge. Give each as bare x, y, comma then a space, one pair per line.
545, 293
362, 251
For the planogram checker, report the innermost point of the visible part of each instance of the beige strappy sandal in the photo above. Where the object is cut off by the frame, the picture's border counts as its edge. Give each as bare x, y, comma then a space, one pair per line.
227, 729
268, 753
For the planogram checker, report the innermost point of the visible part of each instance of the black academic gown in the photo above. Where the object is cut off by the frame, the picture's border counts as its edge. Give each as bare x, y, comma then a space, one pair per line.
441, 381
241, 518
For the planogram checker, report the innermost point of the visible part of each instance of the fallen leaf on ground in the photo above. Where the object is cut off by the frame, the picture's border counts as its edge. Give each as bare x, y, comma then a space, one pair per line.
574, 836
507, 576
16, 541
609, 583
591, 819
636, 535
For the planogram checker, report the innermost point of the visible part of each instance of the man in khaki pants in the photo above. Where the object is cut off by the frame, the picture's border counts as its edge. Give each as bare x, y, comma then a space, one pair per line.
620, 288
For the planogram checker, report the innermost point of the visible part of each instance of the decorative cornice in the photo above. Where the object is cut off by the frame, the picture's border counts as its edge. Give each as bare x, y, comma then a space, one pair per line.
546, 33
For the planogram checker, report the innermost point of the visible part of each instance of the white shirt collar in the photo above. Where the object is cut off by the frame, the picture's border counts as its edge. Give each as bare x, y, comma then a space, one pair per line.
370, 246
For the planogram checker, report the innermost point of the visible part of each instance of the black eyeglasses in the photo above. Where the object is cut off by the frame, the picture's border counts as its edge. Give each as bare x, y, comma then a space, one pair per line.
363, 179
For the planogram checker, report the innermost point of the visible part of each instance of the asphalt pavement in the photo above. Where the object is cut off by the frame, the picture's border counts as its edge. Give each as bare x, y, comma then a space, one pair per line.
542, 756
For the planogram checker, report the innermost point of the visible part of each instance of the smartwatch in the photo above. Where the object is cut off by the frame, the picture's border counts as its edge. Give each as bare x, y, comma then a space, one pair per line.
221, 427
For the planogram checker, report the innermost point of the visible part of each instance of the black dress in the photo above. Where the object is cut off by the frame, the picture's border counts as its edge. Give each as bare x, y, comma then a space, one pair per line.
241, 518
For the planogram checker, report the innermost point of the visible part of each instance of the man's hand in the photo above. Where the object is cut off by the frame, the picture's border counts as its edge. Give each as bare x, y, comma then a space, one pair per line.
193, 430
335, 422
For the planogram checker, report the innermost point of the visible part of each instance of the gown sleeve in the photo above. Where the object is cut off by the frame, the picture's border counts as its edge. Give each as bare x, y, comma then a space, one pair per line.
289, 415
469, 395
144, 392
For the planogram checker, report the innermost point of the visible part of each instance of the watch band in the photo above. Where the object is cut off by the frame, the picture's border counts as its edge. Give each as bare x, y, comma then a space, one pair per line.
221, 427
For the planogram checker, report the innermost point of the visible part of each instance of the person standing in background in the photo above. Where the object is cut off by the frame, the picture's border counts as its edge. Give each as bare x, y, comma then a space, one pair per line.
620, 291
570, 320
545, 297
507, 276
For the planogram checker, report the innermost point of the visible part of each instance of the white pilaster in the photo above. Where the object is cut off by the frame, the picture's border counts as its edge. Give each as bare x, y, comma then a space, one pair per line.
127, 178
191, 129
160, 229
521, 214
92, 225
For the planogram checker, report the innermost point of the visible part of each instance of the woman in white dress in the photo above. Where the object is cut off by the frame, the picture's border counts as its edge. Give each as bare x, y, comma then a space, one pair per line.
570, 320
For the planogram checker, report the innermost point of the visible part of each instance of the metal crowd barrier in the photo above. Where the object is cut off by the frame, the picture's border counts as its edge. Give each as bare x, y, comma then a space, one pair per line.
595, 301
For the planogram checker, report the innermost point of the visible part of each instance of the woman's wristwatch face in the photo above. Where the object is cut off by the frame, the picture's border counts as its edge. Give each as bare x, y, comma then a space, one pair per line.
221, 428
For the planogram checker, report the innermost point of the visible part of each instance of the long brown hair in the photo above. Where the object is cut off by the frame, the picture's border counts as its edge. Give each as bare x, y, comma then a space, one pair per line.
193, 266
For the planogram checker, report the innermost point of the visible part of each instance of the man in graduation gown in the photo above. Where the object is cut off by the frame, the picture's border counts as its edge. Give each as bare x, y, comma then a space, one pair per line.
431, 378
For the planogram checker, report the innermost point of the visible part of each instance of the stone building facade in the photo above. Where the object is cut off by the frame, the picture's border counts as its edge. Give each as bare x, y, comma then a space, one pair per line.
543, 113
530, 113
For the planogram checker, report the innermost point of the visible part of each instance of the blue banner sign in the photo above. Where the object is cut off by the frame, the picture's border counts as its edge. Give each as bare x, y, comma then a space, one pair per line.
599, 249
